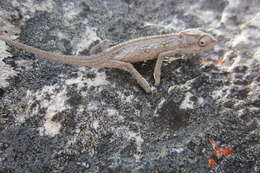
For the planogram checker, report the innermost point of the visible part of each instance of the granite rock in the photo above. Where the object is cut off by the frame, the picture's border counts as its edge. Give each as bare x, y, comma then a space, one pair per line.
61, 118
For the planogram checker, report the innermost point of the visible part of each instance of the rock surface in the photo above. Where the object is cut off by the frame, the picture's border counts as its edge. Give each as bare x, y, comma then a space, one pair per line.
60, 118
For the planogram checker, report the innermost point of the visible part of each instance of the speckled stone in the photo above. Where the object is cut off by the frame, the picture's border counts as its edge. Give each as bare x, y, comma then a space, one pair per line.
61, 118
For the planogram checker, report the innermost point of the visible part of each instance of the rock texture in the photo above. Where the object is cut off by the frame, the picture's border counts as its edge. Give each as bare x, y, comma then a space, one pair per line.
60, 118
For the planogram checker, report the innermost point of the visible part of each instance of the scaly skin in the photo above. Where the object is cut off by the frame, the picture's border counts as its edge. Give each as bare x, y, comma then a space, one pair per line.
145, 48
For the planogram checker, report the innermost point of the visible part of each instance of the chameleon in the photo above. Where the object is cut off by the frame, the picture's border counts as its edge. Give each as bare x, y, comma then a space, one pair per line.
121, 56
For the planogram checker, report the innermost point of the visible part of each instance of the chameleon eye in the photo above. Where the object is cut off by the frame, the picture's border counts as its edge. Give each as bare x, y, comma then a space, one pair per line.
206, 40
202, 42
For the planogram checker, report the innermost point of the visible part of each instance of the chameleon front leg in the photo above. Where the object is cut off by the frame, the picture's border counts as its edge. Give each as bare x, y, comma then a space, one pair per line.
129, 68
157, 69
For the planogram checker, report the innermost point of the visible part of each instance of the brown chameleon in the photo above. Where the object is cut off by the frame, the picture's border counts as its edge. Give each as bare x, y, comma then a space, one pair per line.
121, 56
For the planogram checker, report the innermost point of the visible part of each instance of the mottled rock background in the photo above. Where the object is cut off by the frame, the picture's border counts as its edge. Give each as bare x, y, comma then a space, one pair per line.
60, 118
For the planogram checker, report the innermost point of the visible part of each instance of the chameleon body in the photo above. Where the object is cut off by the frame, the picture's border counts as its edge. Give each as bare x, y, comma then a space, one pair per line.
141, 49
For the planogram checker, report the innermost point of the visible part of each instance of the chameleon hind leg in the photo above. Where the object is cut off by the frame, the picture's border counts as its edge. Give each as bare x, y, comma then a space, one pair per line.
128, 67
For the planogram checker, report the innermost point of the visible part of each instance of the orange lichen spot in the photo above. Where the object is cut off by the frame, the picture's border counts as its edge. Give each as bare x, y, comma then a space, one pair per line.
223, 151
226, 151
205, 61
220, 61
212, 163
218, 153
213, 143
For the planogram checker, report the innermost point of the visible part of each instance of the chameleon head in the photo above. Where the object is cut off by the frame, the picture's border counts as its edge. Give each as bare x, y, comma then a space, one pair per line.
195, 41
